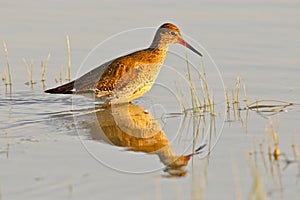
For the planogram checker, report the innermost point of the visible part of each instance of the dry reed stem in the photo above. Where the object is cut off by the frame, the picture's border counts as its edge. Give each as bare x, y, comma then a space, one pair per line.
237, 89
205, 102
44, 67
245, 94
29, 70
60, 74
7, 62
276, 152
181, 99
227, 97
68, 75
4, 79
196, 102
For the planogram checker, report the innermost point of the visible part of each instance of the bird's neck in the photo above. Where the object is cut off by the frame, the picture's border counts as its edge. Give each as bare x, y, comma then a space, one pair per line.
159, 43
156, 55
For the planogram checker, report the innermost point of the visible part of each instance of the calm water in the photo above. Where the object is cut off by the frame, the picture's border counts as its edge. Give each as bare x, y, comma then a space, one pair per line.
63, 147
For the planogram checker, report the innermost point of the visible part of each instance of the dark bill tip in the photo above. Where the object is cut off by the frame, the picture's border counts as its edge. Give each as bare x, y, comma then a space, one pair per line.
184, 43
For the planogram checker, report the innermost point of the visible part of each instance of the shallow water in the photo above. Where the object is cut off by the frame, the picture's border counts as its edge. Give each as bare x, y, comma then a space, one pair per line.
59, 146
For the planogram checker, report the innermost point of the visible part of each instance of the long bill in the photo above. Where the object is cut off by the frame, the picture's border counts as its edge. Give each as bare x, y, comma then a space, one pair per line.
184, 43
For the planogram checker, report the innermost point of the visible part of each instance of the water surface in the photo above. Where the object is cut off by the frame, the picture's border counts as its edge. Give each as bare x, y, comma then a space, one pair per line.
42, 155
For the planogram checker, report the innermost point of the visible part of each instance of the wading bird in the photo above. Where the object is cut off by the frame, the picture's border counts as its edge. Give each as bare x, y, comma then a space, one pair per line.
128, 77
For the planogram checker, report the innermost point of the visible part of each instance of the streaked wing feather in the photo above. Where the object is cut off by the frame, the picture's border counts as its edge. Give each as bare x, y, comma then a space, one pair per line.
90, 80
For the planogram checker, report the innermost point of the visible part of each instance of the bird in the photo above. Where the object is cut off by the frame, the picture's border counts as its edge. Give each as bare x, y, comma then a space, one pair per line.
127, 77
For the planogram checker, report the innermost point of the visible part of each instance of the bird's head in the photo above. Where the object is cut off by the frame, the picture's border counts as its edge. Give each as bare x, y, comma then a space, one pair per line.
168, 34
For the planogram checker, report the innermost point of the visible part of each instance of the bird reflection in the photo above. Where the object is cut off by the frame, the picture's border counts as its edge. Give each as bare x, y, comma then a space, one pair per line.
132, 127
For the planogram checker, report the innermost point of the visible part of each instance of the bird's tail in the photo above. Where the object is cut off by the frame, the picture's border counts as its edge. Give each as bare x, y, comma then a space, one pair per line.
63, 89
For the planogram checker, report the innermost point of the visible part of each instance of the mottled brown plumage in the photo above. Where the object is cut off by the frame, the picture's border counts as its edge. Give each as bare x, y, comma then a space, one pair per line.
127, 77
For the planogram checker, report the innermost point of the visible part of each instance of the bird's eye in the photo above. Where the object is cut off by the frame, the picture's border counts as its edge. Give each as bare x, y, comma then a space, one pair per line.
172, 33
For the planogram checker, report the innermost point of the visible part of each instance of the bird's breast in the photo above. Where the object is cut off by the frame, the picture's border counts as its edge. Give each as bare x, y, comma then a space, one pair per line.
131, 76
136, 82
